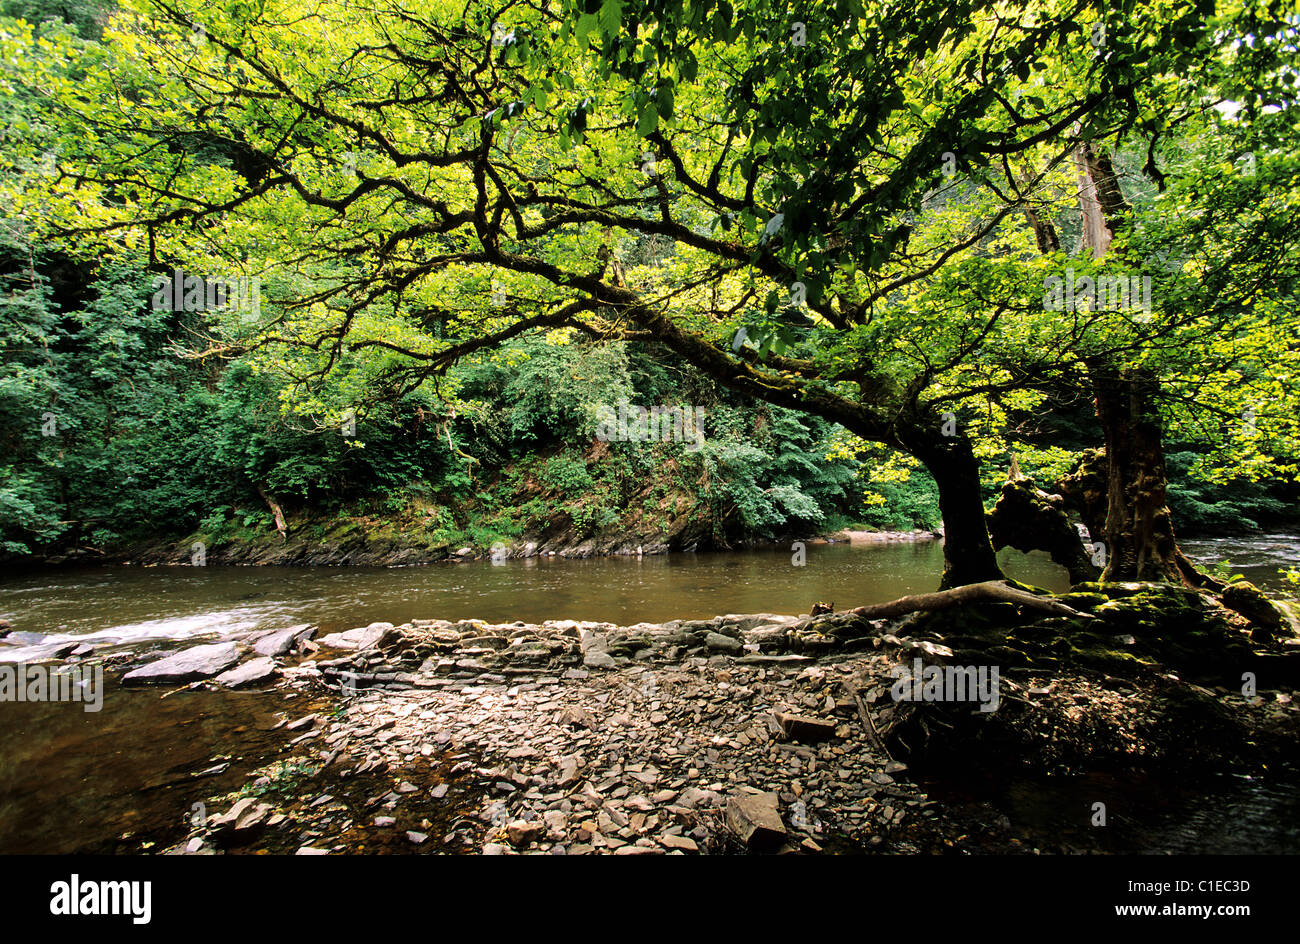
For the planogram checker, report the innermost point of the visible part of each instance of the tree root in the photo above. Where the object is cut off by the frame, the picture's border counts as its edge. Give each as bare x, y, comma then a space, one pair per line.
992, 590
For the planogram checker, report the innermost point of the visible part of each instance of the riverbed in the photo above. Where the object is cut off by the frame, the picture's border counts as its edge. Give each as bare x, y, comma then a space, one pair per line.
77, 781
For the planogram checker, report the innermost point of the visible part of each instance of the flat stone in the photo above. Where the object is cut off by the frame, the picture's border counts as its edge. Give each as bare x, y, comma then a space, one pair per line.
253, 672
254, 819
231, 815
188, 665
521, 833
304, 722
804, 728
281, 641
362, 638
568, 773
716, 642
755, 820
693, 797
576, 717
679, 842
599, 659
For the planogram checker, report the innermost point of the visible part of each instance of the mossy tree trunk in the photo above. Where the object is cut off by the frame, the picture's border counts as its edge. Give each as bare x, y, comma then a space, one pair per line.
1138, 531
1029, 519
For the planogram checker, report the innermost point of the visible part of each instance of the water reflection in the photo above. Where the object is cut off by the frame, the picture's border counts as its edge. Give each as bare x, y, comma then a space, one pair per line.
77, 782
73, 781
132, 604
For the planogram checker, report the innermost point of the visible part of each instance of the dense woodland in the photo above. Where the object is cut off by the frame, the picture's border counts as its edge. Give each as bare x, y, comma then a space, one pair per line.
835, 227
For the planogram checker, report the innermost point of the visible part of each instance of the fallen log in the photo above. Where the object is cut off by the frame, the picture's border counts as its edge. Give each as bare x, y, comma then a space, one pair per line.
990, 590
275, 510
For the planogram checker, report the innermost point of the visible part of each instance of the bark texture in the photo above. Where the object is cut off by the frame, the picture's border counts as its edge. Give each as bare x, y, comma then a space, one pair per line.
1138, 530
272, 504
1030, 519
967, 550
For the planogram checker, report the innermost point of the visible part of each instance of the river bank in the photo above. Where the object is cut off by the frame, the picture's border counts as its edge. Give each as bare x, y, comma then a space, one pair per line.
743, 733
128, 778
354, 544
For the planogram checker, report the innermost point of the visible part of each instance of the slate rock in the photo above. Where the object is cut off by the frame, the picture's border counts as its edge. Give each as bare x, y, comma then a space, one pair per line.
720, 643
521, 833
806, 729
362, 638
281, 641
755, 820
188, 665
253, 672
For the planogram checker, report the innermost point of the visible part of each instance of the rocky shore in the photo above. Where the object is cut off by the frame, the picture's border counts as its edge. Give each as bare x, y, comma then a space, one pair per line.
348, 544
744, 733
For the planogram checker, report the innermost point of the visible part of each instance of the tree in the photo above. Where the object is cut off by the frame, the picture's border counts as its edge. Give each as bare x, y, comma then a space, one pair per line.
1221, 344
826, 179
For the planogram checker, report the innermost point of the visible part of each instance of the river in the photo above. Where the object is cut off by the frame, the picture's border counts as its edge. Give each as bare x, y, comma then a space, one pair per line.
76, 781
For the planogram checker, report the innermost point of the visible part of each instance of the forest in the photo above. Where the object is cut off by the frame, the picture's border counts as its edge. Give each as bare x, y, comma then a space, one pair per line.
684, 427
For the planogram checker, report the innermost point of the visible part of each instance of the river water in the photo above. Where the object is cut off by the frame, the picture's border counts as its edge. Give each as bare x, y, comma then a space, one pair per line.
143, 605
77, 781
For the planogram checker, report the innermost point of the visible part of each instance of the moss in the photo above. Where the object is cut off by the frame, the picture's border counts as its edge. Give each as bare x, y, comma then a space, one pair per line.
1083, 601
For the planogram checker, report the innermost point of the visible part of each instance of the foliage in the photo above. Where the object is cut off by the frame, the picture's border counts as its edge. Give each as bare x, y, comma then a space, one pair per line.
458, 277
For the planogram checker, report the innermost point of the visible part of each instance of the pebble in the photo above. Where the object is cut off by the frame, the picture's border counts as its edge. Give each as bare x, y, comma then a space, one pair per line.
576, 738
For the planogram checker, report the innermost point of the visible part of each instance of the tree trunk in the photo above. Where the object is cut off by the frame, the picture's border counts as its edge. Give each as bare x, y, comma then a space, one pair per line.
1029, 519
968, 555
1101, 201
1085, 490
1044, 233
1138, 532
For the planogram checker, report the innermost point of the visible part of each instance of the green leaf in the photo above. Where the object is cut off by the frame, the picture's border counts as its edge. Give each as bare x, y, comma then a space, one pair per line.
649, 120
611, 17
586, 23
664, 100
